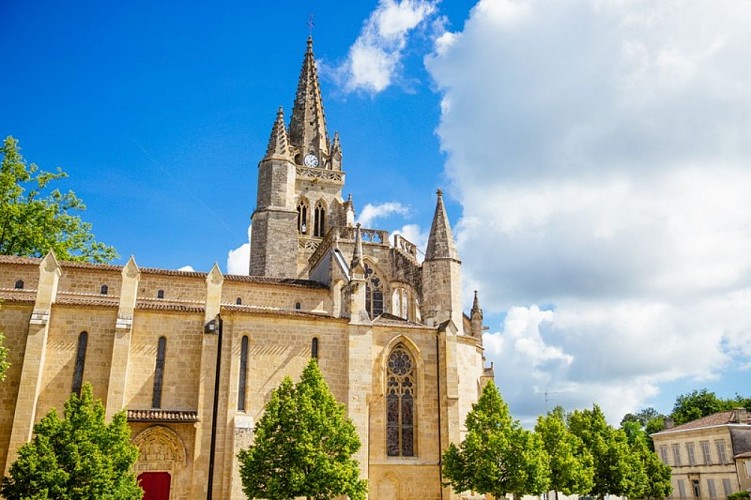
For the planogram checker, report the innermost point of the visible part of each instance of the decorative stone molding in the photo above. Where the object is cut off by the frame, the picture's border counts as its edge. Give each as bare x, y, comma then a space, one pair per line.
160, 449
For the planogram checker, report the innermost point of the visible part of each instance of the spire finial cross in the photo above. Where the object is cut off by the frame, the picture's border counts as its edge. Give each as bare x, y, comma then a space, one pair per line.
310, 26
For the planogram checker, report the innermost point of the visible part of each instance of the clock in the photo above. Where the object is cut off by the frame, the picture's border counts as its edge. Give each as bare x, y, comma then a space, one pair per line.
310, 161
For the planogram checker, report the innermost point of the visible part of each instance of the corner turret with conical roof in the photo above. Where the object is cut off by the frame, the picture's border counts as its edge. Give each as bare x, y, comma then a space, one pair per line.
441, 272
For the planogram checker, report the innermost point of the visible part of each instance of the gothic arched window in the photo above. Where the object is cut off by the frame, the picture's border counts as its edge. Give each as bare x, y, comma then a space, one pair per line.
400, 404
156, 400
83, 340
302, 217
19, 285
314, 348
319, 228
373, 292
401, 303
243, 374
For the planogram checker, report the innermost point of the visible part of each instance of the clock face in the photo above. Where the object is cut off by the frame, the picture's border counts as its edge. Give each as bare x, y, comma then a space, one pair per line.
311, 161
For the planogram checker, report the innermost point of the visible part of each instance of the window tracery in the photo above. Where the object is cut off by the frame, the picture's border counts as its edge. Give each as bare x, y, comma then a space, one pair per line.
373, 292
302, 217
400, 402
319, 226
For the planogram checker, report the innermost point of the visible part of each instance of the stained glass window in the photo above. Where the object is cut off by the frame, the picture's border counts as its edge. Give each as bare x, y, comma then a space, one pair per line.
243, 374
83, 339
156, 400
400, 394
373, 292
319, 227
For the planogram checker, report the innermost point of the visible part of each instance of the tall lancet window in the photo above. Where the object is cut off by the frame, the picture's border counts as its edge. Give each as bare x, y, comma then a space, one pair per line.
400, 404
242, 382
319, 227
83, 340
156, 399
302, 217
373, 292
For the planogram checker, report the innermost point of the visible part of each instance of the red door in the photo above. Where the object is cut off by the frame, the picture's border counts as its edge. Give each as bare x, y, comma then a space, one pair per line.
155, 485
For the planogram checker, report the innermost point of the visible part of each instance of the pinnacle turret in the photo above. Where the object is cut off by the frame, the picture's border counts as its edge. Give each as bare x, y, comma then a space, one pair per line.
357, 253
278, 147
307, 128
476, 307
441, 241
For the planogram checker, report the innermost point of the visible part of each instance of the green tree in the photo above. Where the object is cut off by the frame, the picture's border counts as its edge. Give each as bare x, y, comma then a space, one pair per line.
571, 464
4, 364
698, 404
650, 477
303, 445
497, 456
76, 457
35, 220
614, 465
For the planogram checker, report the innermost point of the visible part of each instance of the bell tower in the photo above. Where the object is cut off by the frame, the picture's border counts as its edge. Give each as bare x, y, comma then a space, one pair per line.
300, 184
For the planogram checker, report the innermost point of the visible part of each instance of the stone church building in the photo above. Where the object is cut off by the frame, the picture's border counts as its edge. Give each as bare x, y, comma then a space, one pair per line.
192, 357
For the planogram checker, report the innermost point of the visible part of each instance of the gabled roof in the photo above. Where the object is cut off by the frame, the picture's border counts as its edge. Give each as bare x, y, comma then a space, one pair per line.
714, 420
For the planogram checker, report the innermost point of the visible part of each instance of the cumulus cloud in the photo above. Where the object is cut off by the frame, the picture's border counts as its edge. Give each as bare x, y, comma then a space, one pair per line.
238, 259
601, 155
187, 269
375, 57
372, 212
416, 235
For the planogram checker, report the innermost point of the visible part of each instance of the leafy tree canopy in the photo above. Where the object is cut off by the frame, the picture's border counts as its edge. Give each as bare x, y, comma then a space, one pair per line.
615, 472
571, 464
76, 457
701, 403
303, 445
497, 456
35, 219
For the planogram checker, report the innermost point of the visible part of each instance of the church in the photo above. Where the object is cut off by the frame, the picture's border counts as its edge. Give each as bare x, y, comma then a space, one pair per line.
193, 357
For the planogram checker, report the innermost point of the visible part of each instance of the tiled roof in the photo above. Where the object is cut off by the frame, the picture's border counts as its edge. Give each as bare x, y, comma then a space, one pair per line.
17, 296
175, 416
276, 281
273, 310
13, 259
82, 301
156, 306
714, 420
743, 455
387, 319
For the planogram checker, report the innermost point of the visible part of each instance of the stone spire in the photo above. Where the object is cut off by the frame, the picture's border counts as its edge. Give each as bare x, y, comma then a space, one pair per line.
357, 253
476, 306
278, 148
441, 241
307, 128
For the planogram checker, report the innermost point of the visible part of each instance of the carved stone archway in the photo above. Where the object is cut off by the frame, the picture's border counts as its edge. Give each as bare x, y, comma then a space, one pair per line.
160, 449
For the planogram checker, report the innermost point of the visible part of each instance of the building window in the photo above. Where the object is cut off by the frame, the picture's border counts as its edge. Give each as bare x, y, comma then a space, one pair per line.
400, 402
677, 455
104, 290
696, 488
681, 489
401, 303
373, 293
664, 453
314, 348
726, 487
721, 455
298, 305
705, 452
156, 400
243, 374
711, 488
690, 453
302, 217
19, 285
83, 339
239, 301
160, 294
319, 226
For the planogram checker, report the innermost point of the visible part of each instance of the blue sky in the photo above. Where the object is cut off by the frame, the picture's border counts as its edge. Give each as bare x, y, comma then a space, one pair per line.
595, 158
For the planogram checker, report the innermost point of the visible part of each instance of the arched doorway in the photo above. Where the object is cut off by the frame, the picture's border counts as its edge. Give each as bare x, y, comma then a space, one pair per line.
156, 485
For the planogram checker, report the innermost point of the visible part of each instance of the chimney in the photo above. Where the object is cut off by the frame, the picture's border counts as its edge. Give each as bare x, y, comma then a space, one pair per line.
740, 416
669, 424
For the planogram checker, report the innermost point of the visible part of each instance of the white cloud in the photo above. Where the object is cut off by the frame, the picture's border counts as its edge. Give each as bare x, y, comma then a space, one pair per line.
372, 212
414, 234
187, 269
375, 57
601, 154
238, 259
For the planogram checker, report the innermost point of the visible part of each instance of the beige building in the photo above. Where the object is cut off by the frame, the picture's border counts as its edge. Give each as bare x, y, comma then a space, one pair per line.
192, 357
710, 457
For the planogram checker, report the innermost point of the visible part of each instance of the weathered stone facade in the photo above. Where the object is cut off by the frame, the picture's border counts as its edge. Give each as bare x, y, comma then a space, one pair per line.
320, 286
